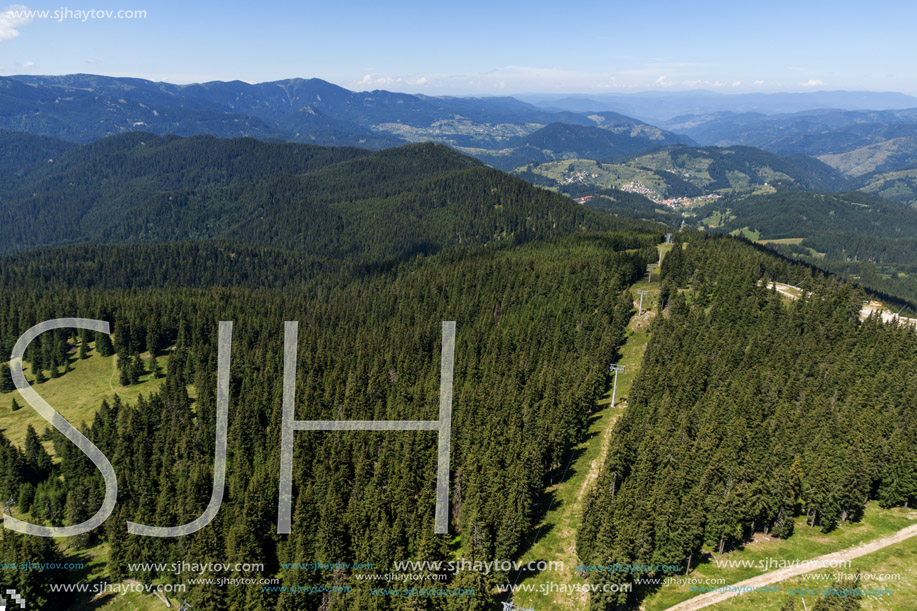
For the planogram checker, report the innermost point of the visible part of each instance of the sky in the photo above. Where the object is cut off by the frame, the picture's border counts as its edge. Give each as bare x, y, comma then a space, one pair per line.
495, 47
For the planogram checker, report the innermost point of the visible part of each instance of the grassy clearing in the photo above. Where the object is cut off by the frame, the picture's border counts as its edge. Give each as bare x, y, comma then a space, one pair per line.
95, 572
806, 543
717, 218
879, 570
781, 241
77, 395
752, 235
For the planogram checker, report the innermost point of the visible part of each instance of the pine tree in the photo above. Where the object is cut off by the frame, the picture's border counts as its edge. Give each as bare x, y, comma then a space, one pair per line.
84, 346
124, 377
26, 497
155, 368
15, 406
6, 379
36, 457
135, 369
103, 344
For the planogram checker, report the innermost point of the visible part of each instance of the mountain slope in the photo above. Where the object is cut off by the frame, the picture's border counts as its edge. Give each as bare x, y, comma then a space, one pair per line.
889, 155
712, 168
793, 215
609, 143
341, 203
684, 171
899, 185
20, 150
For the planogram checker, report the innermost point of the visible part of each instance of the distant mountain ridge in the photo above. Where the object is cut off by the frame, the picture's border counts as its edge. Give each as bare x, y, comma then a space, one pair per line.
504, 132
662, 106
814, 132
854, 142
82, 108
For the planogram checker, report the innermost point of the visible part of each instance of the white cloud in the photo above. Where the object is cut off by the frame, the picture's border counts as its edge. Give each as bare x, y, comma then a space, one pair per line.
736, 83
377, 82
663, 81
509, 80
26, 64
759, 83
608, 83
11, 20
813, 83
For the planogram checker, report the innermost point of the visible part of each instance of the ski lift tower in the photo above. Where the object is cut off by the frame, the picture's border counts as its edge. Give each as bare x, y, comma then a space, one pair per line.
668, 238
643, 293
615, 369
651, 268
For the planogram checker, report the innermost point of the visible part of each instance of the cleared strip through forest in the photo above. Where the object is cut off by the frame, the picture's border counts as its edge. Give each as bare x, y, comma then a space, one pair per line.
556, 535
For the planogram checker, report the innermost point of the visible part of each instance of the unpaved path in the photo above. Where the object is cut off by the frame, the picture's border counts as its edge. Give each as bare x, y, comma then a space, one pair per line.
705, 600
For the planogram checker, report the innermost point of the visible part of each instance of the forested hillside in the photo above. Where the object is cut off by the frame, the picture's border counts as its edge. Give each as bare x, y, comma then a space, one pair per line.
792, 214
20, 150
749, 411
537, 326
331, 202
859, 236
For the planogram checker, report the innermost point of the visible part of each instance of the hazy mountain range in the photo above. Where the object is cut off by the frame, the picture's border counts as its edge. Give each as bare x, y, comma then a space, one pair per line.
869, 137
661, 106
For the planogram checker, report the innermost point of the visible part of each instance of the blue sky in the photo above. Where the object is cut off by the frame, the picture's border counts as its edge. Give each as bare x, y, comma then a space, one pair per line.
483, 48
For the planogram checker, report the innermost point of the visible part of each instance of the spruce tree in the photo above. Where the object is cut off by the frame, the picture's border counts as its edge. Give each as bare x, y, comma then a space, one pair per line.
6, 379
135, 369
124, 377
36, 457
155, 368
26, 497
103, 344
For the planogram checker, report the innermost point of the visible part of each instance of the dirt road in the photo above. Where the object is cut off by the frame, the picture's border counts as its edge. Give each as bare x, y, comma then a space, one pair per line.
772, 577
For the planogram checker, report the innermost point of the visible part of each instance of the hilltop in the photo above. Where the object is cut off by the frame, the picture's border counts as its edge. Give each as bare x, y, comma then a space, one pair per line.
331, 202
